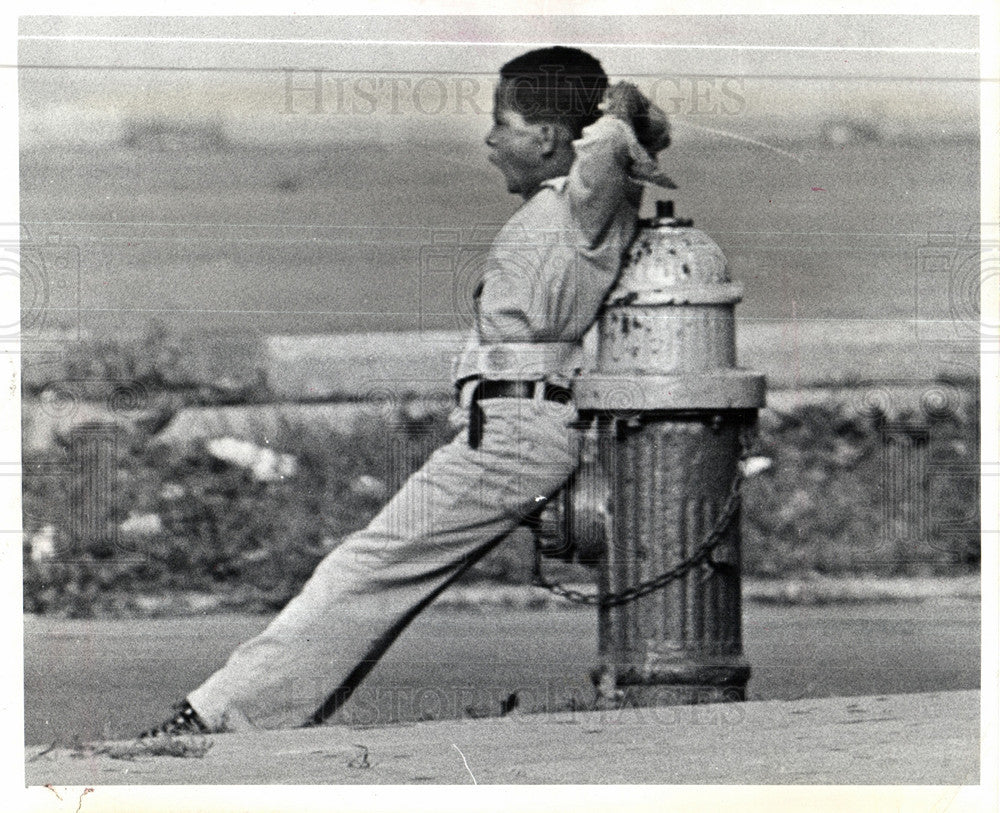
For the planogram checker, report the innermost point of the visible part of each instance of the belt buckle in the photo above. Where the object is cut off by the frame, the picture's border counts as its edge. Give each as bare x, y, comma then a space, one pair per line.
466, 389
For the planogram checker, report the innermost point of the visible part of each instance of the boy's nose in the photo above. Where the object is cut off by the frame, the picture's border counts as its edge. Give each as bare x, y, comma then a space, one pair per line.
490, 140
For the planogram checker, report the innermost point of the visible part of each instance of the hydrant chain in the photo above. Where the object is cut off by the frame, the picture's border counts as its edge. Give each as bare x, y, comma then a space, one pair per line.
702, 555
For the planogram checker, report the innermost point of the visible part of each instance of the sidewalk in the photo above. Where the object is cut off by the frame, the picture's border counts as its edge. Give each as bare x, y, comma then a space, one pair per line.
925, 739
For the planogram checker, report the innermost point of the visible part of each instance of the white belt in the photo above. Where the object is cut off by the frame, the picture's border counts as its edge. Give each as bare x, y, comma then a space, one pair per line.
523, 361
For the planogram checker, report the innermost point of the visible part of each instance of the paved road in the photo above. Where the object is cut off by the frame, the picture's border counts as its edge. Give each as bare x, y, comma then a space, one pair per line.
107, 679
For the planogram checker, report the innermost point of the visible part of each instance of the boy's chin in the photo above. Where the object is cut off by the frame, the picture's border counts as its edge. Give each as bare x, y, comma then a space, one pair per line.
516, 186
513, 185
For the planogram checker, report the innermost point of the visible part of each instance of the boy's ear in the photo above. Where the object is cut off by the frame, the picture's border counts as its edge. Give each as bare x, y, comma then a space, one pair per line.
552, 136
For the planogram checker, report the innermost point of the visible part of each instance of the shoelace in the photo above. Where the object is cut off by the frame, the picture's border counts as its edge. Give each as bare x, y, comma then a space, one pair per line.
186, 721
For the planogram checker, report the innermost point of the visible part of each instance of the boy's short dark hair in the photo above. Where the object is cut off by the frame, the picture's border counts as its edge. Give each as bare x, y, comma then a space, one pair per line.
558, 84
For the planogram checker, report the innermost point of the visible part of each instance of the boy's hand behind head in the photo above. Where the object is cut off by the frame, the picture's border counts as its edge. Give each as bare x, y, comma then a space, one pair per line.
625, 101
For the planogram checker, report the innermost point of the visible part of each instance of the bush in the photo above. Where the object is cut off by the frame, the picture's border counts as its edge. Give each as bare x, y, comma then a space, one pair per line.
221, 529
845, 494
851, 494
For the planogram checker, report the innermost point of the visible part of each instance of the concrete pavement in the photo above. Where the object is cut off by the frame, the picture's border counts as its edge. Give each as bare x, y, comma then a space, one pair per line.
924, 739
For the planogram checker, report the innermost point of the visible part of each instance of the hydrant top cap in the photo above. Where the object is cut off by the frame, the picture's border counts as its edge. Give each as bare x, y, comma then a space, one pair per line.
669, 257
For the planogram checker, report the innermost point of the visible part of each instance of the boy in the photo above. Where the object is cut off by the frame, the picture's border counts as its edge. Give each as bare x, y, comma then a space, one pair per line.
546, 276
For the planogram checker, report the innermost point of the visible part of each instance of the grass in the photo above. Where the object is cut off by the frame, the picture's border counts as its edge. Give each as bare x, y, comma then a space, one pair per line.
819, 590
194, 746
853, 493
188, 747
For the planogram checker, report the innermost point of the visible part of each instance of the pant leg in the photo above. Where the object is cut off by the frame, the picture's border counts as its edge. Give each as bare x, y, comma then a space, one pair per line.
449, 514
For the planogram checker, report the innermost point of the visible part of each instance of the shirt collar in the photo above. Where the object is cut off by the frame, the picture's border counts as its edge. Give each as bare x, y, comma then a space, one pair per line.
557, 183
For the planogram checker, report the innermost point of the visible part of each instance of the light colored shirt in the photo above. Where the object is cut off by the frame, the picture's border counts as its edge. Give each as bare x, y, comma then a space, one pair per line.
552, 264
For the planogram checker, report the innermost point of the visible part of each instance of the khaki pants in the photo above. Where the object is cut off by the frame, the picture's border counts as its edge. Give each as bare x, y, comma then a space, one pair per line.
447, 516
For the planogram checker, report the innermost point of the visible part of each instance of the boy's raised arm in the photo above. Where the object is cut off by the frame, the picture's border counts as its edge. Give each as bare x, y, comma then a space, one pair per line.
614, 153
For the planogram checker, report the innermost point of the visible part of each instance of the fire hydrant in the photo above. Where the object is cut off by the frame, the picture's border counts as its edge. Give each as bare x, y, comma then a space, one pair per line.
655, 504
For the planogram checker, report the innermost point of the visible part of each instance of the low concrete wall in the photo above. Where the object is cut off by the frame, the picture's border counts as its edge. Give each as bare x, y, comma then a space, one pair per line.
263, 423
373, 366
362, 366
805, 362
792, 354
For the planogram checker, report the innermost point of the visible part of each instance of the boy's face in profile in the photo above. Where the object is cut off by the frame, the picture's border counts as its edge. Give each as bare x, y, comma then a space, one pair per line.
517, 147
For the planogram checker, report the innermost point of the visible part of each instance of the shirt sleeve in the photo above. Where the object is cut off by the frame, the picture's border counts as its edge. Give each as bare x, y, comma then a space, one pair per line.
510, 303
599, 178
505, 324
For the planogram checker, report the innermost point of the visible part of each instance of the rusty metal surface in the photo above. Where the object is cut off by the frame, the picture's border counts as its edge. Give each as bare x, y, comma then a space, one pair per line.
667, 339
672, 479
666, 369
671, 412
669, 258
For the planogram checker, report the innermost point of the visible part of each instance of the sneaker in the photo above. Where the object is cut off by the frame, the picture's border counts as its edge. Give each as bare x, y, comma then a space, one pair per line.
185, 721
